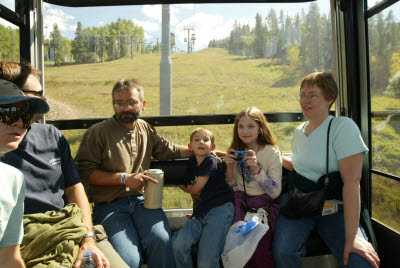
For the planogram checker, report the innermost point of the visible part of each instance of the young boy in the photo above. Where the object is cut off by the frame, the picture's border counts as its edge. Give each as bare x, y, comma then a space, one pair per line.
213, 209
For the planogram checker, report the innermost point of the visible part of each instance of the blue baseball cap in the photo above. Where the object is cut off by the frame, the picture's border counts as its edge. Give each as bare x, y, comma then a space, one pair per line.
10, 93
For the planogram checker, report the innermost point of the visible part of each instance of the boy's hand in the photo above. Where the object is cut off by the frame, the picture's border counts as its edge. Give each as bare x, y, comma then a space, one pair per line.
183, 188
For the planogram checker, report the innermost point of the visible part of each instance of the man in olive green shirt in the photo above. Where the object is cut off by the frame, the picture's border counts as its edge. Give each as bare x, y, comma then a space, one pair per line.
111, 159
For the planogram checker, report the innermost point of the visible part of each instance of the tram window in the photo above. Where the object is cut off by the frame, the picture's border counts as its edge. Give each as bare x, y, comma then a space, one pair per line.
384, 61
386, 201
236, 58
9, 41
10, 4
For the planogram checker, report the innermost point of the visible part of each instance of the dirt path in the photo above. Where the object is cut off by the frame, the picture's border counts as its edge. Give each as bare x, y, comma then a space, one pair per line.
61, 110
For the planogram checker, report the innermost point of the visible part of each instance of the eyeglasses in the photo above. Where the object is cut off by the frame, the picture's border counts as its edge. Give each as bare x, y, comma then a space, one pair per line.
11, 114
311, 97
121, 104
39, 93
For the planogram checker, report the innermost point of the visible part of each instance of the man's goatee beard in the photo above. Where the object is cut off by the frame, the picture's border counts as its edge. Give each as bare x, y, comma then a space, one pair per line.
127, 120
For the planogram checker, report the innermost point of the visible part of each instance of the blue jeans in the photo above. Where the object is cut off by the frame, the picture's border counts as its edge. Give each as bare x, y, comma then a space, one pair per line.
291, 236
209, 231
132, 229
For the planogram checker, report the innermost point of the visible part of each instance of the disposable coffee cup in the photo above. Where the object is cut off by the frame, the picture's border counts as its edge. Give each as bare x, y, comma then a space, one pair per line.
153, 193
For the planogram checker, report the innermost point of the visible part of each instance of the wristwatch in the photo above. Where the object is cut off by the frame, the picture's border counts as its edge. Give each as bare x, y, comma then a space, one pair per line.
90, 234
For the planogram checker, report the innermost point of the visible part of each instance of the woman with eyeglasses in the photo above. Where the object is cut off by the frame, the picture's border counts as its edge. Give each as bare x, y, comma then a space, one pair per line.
338, 223
16, 111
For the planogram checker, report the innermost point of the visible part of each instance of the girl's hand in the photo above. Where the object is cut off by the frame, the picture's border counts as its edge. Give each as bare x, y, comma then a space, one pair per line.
230, 158
251, 161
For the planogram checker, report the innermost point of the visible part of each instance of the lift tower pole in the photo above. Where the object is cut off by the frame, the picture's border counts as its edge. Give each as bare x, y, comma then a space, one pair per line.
165, 65
188, 29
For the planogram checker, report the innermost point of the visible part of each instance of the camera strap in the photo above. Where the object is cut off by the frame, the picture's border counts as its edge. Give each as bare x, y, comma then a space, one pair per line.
245, 193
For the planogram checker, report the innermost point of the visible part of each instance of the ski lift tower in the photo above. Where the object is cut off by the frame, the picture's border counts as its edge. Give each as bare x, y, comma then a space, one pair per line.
188, 40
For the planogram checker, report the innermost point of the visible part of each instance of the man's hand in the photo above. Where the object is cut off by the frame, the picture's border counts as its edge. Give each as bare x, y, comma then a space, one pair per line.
217, 154
363, 248
138, 181
98, 256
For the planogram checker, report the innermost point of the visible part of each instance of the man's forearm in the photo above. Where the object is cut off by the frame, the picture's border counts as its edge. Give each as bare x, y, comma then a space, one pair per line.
185, 152
100, 177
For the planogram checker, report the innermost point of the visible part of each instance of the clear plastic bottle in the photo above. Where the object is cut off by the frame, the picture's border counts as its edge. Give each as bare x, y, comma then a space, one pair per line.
88, 261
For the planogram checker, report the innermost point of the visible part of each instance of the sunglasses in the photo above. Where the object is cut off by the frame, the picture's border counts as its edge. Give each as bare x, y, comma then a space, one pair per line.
11, 114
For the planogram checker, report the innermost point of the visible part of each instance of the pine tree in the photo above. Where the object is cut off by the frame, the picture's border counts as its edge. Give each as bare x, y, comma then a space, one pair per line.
56, 43
259, 38
79, 48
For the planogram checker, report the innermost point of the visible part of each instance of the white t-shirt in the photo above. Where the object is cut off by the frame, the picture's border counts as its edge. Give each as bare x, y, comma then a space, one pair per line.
269, 181
12, 194
309, 152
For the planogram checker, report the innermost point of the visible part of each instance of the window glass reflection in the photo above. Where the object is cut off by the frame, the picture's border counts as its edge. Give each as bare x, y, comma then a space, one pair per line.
384, 60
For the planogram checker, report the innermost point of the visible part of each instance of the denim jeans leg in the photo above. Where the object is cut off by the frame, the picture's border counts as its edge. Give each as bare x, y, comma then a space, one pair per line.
116, 219
216, 226
183, 240
153, 229
332, 230
290, 237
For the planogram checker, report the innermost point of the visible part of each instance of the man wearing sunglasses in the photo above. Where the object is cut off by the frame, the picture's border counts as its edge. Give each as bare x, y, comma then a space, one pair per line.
16, 112
51, 177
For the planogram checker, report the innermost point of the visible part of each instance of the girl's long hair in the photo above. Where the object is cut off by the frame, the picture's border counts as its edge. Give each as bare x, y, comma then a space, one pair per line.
265, 137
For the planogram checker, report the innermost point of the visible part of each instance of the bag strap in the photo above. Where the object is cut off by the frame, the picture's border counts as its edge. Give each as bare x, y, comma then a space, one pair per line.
327, 153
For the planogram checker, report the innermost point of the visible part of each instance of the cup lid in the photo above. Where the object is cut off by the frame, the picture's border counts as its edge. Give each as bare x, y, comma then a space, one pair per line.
156, 171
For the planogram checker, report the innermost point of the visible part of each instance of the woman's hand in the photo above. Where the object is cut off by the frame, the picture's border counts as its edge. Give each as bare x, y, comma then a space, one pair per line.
251, 161
363, 248
230, 158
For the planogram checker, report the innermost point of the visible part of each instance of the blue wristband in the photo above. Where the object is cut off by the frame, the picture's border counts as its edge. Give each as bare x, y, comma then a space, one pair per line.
123, 178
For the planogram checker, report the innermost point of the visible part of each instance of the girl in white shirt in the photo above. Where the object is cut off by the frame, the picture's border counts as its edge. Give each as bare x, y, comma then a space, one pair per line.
256, 179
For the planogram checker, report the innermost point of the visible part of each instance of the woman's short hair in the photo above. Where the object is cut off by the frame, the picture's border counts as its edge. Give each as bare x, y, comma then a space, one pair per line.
324, 81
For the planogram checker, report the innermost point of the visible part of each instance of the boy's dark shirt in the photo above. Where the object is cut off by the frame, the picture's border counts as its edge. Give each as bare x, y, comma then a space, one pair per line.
215, 192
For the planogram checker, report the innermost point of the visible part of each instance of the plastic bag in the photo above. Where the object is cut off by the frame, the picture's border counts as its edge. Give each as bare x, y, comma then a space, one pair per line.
243, 237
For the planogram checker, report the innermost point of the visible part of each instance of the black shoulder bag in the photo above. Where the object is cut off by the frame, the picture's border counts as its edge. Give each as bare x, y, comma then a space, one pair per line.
311, 203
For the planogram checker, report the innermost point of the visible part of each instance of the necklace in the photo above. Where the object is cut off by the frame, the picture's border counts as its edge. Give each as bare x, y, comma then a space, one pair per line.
258, 148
